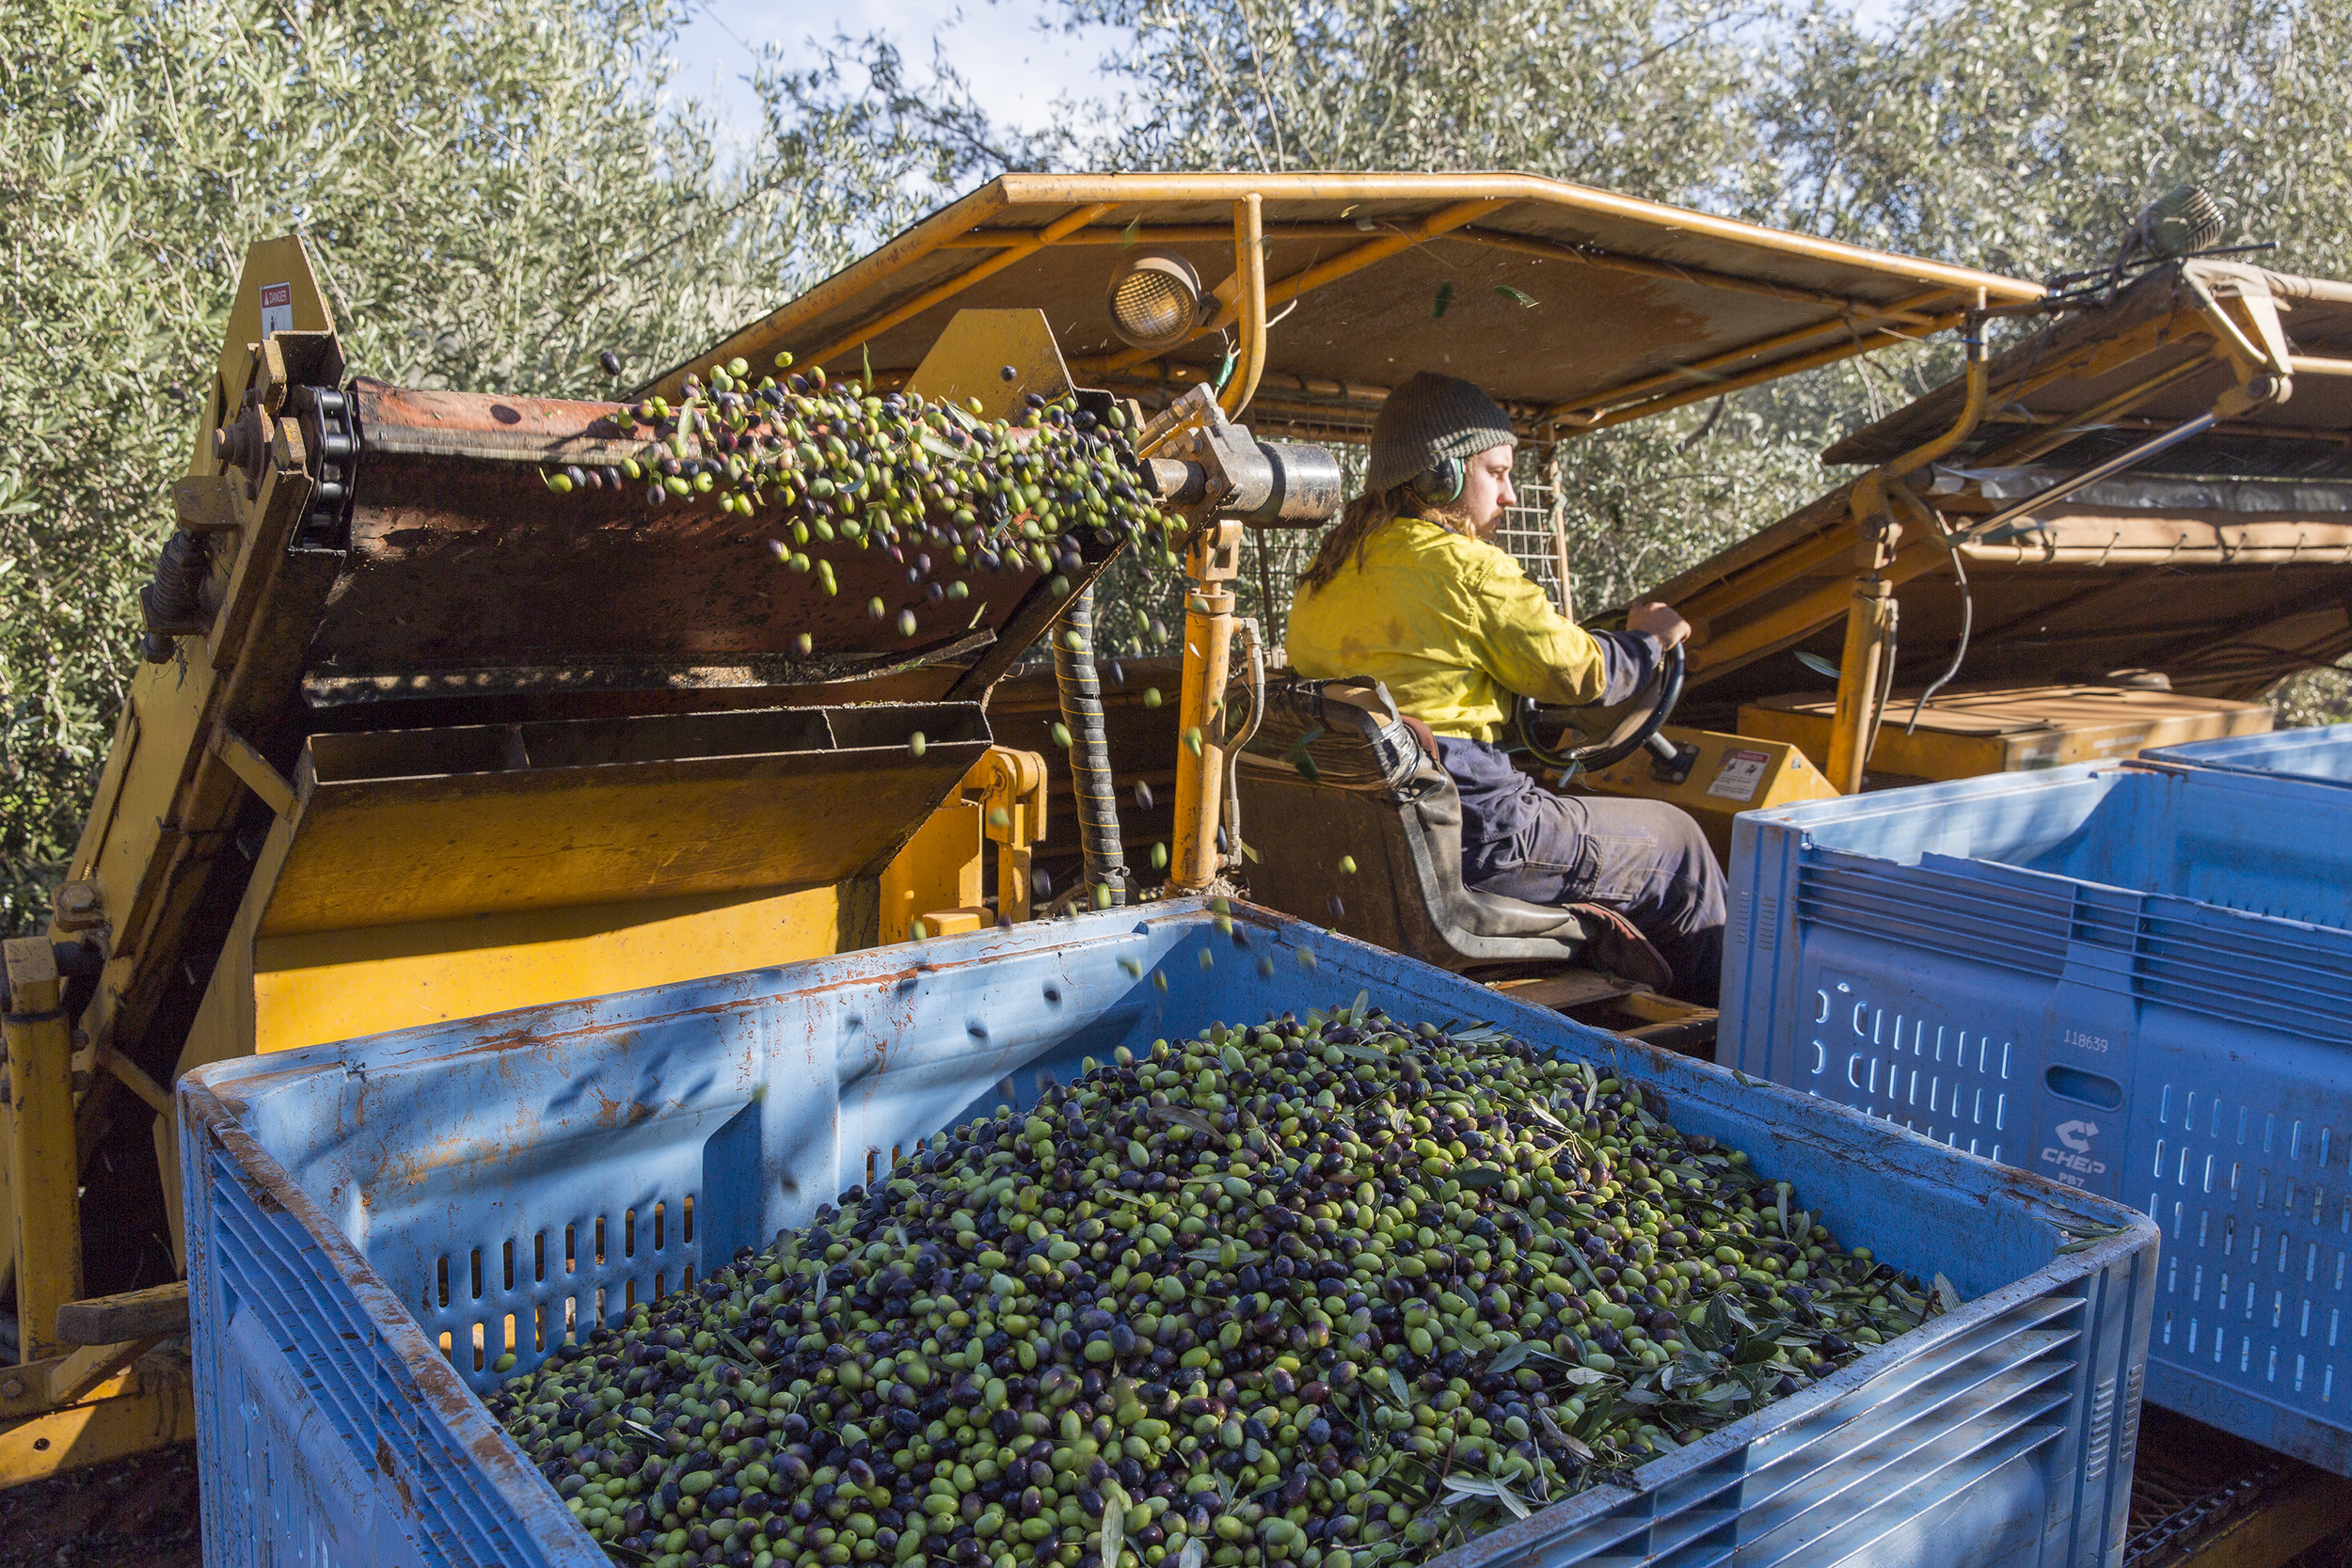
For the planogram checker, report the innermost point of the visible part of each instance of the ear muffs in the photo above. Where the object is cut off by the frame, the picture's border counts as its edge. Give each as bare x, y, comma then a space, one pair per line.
1441, 484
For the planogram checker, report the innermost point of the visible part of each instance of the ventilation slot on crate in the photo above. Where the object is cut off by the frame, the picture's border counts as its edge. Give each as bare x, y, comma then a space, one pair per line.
533, 1294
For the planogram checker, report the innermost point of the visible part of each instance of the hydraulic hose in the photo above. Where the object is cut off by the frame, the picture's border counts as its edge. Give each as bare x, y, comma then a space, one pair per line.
1090, 780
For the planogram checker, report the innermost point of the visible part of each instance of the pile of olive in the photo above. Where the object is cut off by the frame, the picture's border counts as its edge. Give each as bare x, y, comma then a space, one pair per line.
1330, 1291
946, 494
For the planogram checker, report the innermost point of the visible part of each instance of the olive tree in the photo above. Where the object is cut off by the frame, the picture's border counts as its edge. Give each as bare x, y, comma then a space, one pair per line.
492, 195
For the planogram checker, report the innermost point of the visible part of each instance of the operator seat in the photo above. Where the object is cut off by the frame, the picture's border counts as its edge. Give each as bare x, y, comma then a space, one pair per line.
1333, 772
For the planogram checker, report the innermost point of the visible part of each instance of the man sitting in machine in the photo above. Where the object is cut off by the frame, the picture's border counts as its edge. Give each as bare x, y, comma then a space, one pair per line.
1407, 590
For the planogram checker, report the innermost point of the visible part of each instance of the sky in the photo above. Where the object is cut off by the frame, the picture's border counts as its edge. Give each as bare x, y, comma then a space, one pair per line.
1015, 70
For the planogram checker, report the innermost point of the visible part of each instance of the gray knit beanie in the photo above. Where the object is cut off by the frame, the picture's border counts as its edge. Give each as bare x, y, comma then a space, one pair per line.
1429, 418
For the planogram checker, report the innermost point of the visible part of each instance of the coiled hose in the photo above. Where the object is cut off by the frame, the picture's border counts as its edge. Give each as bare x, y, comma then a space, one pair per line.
1090, 780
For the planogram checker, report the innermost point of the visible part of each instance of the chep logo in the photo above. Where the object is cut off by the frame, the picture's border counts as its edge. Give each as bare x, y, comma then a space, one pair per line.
2074, 1161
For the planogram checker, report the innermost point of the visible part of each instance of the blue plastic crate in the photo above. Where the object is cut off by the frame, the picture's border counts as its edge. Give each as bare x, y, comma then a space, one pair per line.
2137, 980
367, 1224
2308, 756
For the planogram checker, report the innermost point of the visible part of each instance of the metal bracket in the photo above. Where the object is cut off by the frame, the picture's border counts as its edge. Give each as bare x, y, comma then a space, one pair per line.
1671, 764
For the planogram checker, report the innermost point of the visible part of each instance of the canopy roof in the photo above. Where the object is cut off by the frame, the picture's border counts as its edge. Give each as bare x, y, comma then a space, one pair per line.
2154, 336
2224, 562
1576, 308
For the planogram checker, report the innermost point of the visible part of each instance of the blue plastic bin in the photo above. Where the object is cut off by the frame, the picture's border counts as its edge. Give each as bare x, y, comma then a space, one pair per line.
367, 1224
2137, 980
2321, 756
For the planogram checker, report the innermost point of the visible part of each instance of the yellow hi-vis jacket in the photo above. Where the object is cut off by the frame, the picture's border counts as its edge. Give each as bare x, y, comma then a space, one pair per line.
1452, 626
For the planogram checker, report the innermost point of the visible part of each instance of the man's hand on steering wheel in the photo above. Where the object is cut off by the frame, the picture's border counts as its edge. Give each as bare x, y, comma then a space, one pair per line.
1638, 726
1660, 620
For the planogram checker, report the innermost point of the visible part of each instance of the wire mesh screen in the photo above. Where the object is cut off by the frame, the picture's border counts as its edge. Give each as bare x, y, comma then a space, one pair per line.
1530, 532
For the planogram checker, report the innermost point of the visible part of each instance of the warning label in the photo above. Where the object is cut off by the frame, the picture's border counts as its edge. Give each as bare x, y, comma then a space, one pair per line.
1739, 776
277, 308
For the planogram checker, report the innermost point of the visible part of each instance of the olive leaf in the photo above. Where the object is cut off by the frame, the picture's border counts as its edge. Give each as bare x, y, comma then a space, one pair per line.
1723, 1314
1946, 1297
1573, 1445
751, 1361
1114, 1522
1480, 1176
1541, 1112
1179, 1116
1523, 301
1461, 1488
1598, 1413
1816, 663
1511, 1357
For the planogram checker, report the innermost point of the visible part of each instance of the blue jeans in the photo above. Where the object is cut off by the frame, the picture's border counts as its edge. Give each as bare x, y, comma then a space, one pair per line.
1645, 859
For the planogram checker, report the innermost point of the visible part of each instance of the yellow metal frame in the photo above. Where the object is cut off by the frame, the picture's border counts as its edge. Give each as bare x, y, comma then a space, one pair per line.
63, 1406
936, 880
2236, 330
2236, 325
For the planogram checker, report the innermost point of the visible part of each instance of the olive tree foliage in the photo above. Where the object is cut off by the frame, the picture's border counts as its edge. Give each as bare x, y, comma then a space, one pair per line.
2024, 135
491, 194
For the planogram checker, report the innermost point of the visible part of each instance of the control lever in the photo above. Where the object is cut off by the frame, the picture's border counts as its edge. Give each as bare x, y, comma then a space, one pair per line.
1669, 763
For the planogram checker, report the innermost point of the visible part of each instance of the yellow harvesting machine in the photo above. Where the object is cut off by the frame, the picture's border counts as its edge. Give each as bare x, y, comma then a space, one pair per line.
414, 738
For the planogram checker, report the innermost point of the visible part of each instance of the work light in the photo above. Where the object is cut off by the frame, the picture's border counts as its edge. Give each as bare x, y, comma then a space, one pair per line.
1156, 301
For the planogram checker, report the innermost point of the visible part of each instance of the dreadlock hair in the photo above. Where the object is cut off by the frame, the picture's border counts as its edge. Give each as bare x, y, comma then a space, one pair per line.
1366, 515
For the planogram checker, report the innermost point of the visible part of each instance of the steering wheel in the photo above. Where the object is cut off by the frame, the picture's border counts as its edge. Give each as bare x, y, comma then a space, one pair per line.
1639, 727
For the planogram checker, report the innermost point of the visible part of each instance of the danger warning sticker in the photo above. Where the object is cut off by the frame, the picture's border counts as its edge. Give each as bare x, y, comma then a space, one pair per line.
277, 308
1739, 776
